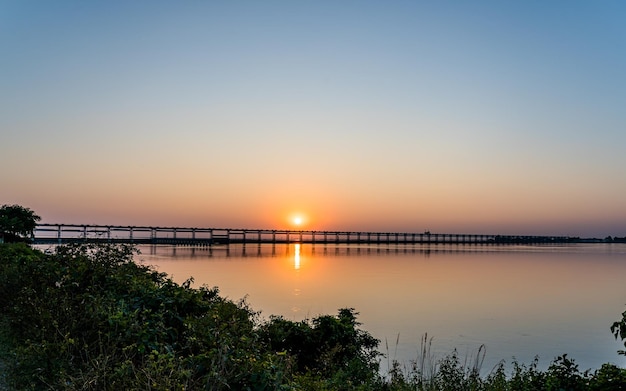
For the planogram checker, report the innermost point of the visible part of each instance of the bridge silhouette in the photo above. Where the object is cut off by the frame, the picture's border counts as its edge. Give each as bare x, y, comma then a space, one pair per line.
74, 233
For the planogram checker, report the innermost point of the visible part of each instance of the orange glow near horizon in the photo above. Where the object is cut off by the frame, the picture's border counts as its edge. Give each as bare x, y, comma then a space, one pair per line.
325, 210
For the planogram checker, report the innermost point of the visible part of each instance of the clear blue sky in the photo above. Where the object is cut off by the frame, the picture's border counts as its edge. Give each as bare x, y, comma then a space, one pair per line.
451, 116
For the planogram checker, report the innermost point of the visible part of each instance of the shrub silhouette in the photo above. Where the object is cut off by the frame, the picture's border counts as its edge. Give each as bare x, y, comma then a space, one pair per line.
17, 223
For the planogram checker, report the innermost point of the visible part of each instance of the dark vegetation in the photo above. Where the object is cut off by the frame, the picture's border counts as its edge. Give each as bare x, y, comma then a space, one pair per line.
17, 223
87, 317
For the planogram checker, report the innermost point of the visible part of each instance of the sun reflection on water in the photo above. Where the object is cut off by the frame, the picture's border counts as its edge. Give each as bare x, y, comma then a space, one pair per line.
296, 257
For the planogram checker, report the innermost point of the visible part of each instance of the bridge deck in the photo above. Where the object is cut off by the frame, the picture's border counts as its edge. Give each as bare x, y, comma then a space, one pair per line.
69, 233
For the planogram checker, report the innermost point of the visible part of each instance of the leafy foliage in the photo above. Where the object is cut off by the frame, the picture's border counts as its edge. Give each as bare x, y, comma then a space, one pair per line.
17, 222
88, 317
619, 331
328, 346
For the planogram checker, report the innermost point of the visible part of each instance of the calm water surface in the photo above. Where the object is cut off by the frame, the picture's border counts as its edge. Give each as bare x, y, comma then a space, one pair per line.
519, 301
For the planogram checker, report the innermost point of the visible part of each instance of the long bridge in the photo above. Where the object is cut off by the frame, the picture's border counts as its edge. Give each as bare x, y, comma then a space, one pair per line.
73, 233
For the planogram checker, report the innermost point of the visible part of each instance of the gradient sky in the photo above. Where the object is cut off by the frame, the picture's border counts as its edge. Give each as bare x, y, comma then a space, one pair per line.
448, 116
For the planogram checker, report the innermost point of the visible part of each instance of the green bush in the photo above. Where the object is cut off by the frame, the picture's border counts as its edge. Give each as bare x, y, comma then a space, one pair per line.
329, 346
608, 378
88, 317
17, 223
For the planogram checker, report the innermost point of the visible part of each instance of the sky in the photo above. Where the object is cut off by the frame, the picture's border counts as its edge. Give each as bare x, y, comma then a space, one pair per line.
450, 116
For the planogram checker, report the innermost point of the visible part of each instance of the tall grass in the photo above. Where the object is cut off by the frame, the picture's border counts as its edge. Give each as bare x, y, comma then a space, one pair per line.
427, 372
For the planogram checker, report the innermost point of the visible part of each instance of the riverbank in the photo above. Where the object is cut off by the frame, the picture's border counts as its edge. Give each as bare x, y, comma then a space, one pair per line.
89, 317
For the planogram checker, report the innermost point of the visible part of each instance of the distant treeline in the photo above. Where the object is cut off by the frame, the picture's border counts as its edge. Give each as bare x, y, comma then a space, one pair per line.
609, 239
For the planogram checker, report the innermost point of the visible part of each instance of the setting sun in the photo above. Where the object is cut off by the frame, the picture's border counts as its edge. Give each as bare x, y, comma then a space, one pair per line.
298, 220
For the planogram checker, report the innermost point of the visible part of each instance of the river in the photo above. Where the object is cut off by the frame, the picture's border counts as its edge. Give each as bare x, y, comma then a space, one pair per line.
518, 301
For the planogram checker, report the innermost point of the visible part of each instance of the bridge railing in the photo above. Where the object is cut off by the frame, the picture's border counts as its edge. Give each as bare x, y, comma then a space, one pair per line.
65, 233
